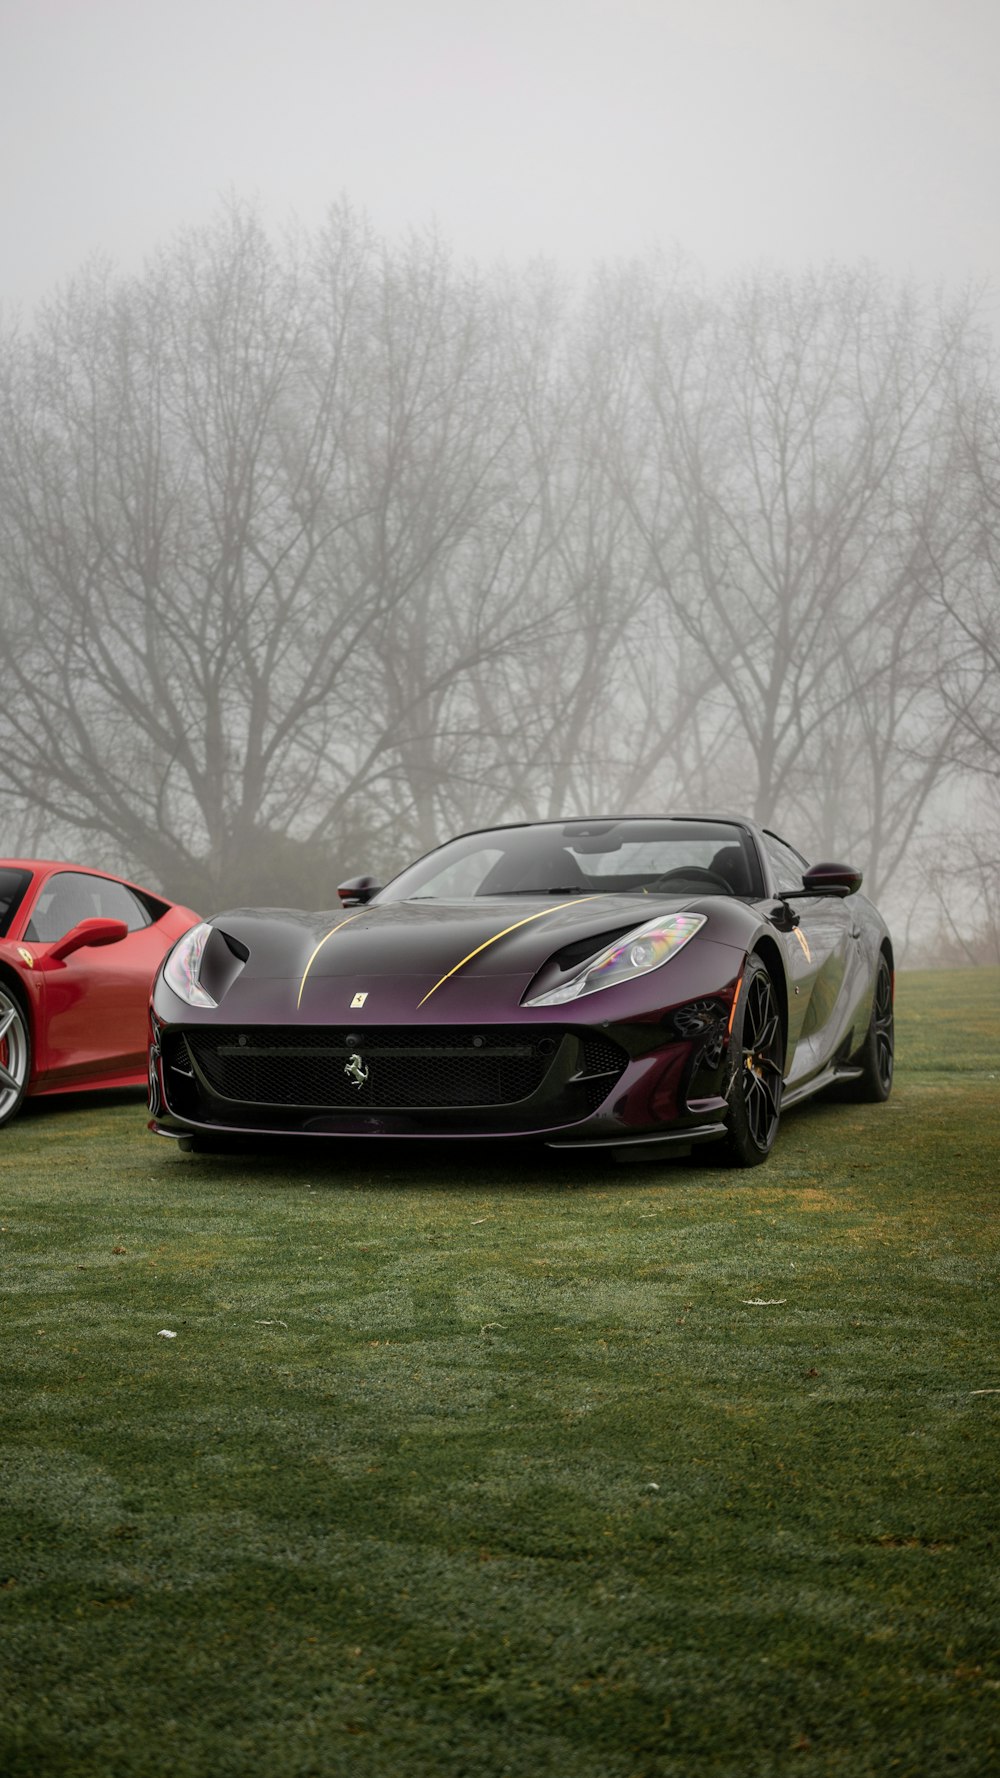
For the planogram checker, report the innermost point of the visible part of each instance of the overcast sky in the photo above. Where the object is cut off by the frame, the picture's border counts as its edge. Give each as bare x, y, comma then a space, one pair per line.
785, 130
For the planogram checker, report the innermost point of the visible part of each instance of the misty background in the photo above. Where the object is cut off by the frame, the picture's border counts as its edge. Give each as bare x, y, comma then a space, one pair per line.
414, 418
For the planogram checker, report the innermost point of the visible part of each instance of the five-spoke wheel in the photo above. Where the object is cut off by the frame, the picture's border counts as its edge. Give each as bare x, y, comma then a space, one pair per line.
15, 1054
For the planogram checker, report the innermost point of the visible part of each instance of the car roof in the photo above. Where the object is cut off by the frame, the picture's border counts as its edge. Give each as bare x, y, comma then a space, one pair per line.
587, 820
90, 870
45, 865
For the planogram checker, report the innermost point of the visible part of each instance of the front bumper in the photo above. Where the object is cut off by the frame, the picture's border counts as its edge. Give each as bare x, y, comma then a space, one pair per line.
566, 1086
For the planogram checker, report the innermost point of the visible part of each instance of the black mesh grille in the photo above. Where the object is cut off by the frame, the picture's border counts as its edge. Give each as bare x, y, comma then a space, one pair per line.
601, 1062
375, 1068
601, 1056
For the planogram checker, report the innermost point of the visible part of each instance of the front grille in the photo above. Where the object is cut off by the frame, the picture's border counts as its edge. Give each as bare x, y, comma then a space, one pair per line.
601, 1056
601, 1062
394, 1068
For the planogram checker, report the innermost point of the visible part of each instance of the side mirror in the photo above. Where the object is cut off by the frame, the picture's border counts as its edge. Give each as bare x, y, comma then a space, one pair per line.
87, 932
826, 879
357, 891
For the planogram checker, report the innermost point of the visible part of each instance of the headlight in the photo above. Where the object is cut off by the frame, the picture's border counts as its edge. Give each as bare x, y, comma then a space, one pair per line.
183, 967
648, 947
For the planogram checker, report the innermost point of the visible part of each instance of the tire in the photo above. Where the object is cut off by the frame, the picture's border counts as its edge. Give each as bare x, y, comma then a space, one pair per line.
876, 1055
15, 1054
756, 1076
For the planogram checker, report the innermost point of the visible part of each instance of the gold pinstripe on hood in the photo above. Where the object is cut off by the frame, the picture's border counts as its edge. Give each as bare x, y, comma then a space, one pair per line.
319, 947
543, 914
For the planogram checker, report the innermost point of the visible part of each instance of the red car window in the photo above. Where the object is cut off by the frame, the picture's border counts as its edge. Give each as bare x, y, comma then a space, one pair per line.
13, 884
72, 896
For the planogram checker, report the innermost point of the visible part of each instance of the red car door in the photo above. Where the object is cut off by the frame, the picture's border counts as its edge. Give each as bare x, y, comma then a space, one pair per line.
93, 1022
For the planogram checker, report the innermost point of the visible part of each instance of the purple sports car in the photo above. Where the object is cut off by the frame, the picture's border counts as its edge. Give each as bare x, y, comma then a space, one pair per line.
591, 984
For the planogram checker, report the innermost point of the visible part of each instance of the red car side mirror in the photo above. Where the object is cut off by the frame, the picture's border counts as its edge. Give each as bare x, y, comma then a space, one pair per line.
87, 932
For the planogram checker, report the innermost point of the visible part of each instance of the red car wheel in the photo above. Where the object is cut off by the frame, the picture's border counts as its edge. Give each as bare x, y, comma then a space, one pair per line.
15, 1055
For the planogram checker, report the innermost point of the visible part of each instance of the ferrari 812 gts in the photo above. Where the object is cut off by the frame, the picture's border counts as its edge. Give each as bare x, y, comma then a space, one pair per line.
620, 983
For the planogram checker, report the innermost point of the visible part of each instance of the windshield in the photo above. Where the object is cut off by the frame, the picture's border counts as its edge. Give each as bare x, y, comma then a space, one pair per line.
628, 857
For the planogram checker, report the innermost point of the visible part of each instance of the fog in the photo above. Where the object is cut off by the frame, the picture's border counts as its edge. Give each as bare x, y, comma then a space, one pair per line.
414, 417
739, 129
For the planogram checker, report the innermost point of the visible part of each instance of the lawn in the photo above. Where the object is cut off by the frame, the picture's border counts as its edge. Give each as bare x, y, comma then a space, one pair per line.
461, 1469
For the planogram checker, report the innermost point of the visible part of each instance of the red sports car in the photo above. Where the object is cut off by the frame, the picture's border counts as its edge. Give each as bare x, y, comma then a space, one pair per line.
78, 952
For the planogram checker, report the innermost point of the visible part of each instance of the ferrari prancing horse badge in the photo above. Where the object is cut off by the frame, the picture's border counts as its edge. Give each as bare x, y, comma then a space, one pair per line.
356, 1071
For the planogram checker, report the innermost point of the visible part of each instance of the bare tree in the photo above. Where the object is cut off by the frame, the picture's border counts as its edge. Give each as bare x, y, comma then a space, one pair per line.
313, 551
808, 427
238, 496
968, 601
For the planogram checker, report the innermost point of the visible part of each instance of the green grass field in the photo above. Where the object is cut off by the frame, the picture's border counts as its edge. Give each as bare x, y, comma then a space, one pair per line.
469, 1468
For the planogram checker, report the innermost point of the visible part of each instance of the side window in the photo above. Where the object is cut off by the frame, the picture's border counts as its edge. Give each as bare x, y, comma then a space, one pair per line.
115, 902
786, 863
72, 896
13, 884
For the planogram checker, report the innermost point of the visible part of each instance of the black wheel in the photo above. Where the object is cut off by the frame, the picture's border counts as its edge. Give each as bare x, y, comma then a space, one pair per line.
756, 1077
875, 1057
15, 1054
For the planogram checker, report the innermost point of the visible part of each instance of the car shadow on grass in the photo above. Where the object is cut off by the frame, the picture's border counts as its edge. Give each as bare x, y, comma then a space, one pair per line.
457, 1165
60, 1104
374, 1163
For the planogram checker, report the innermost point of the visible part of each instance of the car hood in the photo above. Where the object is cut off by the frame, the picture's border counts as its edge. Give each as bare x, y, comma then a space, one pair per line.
429, 944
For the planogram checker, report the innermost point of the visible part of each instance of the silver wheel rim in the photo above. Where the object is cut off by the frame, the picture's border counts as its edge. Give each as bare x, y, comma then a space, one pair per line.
13, 1054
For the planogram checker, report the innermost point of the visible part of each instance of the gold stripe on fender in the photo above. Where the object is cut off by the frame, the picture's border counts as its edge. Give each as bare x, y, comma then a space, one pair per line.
316, 953
542, 915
